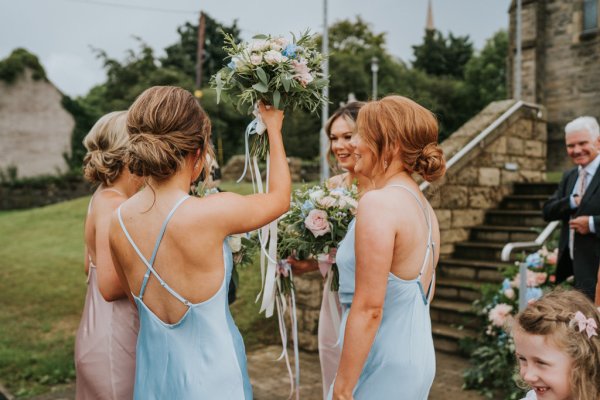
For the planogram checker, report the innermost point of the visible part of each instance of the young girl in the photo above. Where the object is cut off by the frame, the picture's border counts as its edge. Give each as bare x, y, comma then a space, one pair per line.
558, 348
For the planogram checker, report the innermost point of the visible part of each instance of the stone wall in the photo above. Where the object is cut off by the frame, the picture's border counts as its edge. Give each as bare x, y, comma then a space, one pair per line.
35, 130
561, 66
514, 152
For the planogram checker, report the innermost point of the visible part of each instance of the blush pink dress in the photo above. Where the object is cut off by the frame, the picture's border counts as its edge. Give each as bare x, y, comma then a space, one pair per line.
329, 317
105, 346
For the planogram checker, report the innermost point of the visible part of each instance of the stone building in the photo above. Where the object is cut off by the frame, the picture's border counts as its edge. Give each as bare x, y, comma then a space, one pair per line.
560, 42
35, 129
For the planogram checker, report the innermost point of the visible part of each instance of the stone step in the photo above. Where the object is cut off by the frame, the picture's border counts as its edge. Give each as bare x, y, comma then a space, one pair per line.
515, 218
524, 202
453, 313
446, 338
488, 251
461, 289
473, 270
502, 234
546, 188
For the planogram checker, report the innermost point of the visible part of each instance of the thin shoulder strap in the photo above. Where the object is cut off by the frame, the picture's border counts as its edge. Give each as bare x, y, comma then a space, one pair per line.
100, 191
430, 250
149, 264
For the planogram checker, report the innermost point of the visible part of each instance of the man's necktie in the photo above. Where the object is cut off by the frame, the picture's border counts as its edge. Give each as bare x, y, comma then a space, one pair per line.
581, 186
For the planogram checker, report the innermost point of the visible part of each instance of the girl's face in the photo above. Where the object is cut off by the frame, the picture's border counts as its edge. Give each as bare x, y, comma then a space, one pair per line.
339, 138
363, 157
543, 366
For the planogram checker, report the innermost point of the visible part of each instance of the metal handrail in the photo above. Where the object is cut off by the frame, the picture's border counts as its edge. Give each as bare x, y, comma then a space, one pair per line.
477, 140
538, 242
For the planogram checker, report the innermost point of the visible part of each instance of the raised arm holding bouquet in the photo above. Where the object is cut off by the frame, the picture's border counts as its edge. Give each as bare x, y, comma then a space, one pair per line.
285, 74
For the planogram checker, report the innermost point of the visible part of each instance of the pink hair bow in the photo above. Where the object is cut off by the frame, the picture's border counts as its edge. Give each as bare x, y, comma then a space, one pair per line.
585, 324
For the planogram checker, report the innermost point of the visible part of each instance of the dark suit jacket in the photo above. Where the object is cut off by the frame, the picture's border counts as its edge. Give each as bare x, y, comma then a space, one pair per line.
586, 247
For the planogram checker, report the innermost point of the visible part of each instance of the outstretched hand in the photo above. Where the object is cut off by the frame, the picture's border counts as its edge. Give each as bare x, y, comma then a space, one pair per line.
271, 116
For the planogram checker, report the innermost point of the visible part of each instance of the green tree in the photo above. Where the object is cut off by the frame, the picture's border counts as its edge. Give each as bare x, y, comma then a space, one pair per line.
442, 56
183, 54
485, 73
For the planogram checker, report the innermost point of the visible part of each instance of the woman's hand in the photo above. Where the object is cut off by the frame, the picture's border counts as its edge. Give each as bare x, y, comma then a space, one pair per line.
272, 118
300, 267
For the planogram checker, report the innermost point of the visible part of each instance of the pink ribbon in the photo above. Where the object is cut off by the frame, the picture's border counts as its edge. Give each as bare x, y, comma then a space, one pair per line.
325, 261
585, 324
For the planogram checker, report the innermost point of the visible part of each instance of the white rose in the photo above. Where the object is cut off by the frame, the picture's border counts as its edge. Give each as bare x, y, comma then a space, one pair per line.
282, 42
235, 242
274, 57
256, 59
258, 45
327, 202
316, 195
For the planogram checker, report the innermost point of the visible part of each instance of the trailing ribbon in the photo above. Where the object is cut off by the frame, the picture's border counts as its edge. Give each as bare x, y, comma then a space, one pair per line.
271, 287
256, 127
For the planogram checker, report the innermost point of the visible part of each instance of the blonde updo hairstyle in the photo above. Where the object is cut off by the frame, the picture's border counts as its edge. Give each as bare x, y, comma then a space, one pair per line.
398, 123
106, 146
165, 125
552, 316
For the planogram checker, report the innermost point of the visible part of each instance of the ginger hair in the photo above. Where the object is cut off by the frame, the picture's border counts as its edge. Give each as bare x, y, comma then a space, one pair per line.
551, 316
106, 146
165, 125
398, 124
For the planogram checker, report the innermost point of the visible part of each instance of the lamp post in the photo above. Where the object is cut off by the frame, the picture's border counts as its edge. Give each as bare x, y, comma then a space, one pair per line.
374, 70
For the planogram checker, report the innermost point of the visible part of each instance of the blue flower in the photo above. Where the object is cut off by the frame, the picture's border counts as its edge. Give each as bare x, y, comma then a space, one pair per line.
534, 260
505, 284
231, 65
306, 207
289, 51
533, 293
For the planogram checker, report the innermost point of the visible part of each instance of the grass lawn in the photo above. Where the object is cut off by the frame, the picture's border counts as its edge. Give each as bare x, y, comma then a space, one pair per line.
42, 288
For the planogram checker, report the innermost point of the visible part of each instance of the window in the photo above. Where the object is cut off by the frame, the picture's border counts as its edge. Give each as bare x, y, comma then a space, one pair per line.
590, 15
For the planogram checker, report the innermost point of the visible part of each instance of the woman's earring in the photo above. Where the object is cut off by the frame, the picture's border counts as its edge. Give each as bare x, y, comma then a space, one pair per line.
385, 165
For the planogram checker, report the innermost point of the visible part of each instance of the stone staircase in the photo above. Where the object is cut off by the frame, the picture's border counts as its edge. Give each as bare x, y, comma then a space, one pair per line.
477, 261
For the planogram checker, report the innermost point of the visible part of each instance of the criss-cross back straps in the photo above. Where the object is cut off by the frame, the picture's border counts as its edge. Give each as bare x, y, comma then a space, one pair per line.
149, 264
430, 250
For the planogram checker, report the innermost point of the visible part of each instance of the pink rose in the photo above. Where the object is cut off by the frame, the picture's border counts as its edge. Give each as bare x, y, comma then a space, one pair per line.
499, 314
540, 278
552, 258
317, 222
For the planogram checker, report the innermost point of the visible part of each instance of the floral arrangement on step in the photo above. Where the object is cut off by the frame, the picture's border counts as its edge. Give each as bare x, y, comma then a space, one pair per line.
492, 359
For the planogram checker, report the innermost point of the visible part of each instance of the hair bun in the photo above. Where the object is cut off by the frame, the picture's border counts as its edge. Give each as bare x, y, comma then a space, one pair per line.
431, 164
152, 155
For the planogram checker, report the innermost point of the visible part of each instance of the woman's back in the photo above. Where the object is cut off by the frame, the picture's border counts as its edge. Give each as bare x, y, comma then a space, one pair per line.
402, 357
188, 346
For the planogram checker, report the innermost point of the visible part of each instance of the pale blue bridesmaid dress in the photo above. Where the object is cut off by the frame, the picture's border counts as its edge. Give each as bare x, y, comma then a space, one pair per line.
401, 362
200, 357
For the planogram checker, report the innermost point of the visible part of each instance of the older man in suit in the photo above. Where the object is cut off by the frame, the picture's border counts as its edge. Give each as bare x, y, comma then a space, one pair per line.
577, 204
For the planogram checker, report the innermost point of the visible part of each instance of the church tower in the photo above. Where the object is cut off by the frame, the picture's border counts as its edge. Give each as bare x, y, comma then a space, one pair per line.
429, 24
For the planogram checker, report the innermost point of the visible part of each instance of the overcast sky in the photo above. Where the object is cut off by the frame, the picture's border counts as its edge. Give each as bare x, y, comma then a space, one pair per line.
60, 32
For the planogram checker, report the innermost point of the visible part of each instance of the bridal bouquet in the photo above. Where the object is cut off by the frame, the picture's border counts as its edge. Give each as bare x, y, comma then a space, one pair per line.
280, 72
317, 221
